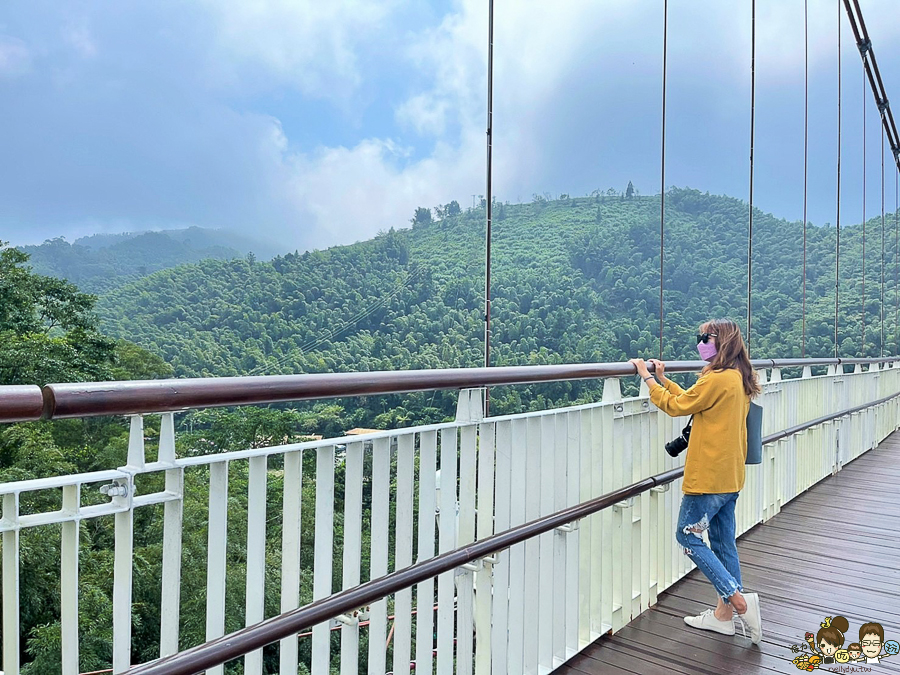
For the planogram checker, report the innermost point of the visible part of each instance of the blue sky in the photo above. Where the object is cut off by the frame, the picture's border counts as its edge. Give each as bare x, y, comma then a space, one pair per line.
315, 124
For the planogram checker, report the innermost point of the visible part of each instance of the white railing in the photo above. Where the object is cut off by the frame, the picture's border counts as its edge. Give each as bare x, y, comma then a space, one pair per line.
433, 489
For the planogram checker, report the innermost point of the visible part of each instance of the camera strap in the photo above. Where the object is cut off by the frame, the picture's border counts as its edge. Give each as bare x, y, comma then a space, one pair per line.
687, 429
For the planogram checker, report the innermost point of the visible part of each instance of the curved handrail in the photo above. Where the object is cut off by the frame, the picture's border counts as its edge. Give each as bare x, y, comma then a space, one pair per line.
89, 399
259, 635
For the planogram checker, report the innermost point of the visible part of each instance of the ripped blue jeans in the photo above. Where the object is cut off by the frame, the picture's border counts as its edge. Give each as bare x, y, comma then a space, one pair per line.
713, 513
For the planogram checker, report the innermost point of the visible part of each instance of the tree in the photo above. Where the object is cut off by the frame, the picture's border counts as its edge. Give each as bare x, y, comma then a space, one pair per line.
422, 216
453, 209
48, 330
136, 363
629, 191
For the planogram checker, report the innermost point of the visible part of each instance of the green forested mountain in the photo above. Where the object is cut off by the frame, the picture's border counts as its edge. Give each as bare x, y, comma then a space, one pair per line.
102, 262
574, 280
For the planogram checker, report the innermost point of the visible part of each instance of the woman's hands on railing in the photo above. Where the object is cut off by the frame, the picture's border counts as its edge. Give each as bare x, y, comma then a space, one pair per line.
641, 368
658, 366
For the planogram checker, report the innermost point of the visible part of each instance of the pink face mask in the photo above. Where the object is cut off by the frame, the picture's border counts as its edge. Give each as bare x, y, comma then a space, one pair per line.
707, 350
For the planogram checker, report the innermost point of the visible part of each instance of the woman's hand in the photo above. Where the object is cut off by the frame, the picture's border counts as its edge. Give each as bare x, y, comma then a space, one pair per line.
659, 369
641, 367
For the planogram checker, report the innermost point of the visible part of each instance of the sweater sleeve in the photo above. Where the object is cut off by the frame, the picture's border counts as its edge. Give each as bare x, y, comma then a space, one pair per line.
698, 398
673, 387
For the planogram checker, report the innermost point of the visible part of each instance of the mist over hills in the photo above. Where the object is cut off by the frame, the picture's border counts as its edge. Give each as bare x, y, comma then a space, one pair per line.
101, 262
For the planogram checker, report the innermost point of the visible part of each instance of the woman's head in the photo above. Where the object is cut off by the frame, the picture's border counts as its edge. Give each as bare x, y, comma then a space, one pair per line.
731, 352
830, 638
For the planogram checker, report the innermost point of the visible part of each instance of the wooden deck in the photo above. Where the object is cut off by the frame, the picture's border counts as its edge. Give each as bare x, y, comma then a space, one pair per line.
834, 550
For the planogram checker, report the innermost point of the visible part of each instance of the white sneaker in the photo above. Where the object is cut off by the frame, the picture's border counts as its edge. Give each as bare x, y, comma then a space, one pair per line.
708, 621
752, 617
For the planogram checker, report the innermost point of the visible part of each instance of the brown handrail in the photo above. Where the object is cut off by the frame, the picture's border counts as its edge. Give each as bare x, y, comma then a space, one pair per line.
259, 635
89, 399
20, 403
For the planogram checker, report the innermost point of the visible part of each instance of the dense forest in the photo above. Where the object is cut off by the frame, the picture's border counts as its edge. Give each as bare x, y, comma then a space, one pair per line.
575, 280
49, 333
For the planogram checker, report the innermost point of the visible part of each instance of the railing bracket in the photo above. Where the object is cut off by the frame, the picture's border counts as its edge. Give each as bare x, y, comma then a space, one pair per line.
625, 504
115, 489
568, 527
661, 488
469, 567
478, 565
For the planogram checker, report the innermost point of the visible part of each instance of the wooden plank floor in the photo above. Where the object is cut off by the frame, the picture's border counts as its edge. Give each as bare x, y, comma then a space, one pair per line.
834, 550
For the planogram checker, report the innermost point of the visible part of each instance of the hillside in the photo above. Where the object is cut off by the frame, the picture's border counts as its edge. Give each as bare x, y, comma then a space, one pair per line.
575, 280
102, 262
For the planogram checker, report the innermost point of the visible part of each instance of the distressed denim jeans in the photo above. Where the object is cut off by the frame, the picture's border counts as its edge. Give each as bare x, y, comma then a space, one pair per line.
713, 513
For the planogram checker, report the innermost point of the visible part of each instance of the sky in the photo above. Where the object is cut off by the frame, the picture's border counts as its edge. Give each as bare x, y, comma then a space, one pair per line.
314, 123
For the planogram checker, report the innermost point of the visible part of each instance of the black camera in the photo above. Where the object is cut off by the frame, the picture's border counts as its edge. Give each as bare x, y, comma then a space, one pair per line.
679, 445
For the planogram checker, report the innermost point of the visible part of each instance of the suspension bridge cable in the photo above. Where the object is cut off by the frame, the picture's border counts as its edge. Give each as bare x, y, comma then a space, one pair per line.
752, 138
837, 248
873, 74
889, 125
864, 144
489, 203
882, 242
805, 155
662, 171
864, 44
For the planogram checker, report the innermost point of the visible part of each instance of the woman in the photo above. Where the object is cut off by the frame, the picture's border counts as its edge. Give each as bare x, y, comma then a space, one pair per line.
714, 468
830, 638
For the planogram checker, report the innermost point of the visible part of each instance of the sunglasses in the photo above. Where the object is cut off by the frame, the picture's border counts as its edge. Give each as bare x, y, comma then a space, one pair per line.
704, 337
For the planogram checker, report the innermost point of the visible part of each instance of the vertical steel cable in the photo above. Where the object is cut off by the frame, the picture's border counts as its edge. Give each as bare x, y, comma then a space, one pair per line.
489, 203
837, 248
862, 348
662, 171
752, 138
882, 242
805, 155
897, 262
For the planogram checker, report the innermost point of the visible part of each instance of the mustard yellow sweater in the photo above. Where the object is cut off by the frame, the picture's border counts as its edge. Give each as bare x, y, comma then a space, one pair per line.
717, 449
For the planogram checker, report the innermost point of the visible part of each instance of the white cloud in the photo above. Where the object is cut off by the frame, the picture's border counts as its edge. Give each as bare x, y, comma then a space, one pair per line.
312, 45
780, 27
351, 193
576, 96
15, 57
80, 39
548, 56
425, 113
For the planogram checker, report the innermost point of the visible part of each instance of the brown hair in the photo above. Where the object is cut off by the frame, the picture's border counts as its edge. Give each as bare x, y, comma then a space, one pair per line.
834, 634
854, 647
868, 628
731, 352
